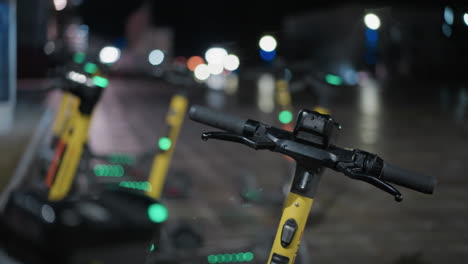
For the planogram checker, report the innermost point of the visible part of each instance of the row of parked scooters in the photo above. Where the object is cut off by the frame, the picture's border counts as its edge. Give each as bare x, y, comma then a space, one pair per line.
59, 220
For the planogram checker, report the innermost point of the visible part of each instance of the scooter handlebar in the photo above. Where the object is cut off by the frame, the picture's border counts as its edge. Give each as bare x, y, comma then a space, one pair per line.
217, 119
411, 180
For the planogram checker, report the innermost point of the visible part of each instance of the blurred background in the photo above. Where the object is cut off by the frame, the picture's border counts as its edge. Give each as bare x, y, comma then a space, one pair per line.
393, 75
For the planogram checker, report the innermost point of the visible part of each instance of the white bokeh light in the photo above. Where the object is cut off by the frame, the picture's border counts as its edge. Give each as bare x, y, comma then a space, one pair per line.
266, 93
202, 72
448, 15
231, 62
77, 77
156, 57
372, 21
49, 47
109, 54
60, 4
267, 43
48, 213
465, 18
215, 55
215, 69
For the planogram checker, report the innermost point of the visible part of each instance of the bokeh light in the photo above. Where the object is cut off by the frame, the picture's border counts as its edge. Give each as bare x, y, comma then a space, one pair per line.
49, 47
448, 15
215, 68
60, 4
372, 21
333, 79
156, 57
194, 61
267, 43
447, 30
109, 55
215, 55
202, 72
231, 62
164, 143
285, 116
100, 81
157, 213
77, 77
79, 57
90, 68
465, 18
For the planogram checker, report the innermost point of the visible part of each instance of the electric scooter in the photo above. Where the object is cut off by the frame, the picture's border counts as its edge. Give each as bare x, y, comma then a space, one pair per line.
311, 146
67, 224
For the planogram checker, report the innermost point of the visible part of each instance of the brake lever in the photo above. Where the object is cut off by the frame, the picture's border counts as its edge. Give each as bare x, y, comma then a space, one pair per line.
226, 136
384, 186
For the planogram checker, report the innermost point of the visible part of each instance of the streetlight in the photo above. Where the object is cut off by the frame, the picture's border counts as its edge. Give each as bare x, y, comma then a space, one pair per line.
372, 21
267, 43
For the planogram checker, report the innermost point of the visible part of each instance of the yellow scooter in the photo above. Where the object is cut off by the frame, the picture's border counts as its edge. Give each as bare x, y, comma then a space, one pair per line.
311, 145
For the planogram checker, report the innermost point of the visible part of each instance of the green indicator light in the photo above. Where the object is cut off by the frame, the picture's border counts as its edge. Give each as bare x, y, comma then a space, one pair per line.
285, 116
152, 247
142, 186
100, 81
121, 158
90, 68
100, 170
220, 258
212, 259
164, 143
248, 256
333, 79
79, 57
157, 213
240, 257
227, 258
109, 170
119, 171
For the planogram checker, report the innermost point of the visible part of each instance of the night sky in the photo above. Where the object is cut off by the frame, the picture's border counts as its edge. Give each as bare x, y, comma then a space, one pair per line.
198, 24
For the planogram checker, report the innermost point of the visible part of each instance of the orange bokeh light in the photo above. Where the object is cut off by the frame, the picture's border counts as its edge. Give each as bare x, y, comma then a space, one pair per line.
194, 61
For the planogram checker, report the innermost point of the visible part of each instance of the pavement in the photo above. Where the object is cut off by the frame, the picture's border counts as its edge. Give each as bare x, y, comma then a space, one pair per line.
351, 222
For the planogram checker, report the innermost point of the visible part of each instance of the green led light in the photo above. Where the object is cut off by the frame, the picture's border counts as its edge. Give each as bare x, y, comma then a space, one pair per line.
248, 256
121, 158
108, 170
79, 57
164, 143
100, 81
285, 116
136, 185
212, 259
90, 68
157, 213
333, 79
228, 258
152, 247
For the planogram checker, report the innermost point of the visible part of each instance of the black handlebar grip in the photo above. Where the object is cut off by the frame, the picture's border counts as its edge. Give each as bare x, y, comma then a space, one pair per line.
217, 119
417, 182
